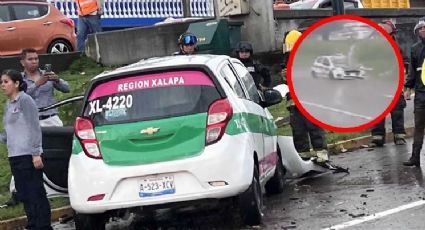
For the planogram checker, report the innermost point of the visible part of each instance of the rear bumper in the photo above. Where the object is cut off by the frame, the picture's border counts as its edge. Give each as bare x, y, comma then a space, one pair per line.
230, 160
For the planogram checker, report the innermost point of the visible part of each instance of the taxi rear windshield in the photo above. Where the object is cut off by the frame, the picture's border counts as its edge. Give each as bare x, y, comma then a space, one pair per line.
150, 96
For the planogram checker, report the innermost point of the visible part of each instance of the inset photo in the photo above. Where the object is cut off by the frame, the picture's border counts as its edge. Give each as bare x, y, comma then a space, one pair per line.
346, 73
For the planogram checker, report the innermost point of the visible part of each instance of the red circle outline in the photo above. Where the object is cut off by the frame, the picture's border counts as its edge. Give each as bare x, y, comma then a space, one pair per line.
370, 123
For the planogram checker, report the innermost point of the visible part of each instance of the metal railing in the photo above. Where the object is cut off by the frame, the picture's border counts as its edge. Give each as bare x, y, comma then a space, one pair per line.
142, 8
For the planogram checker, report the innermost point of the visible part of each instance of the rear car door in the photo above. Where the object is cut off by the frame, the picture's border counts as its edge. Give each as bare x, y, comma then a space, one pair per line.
267, 127
33, 26
57, 148
252, 115
9, 38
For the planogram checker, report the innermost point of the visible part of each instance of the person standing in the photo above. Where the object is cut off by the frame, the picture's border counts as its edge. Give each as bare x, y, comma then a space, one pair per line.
23, 139
41, 86
397, 114
303, 130
259, 72
89, 13
417, 60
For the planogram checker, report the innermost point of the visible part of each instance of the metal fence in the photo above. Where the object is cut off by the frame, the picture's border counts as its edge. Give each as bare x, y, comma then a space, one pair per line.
142, 8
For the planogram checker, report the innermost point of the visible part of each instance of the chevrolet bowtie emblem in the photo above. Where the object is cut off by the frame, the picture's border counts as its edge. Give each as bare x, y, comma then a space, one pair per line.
149, 131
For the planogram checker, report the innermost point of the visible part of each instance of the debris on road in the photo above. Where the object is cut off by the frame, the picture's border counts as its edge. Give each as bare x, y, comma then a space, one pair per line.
356, 215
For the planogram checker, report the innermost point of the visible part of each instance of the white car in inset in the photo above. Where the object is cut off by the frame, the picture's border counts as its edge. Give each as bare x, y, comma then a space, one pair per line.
336, 67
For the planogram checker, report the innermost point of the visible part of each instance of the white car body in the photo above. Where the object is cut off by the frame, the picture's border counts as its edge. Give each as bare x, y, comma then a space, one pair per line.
320, 4
335, 67
221, 170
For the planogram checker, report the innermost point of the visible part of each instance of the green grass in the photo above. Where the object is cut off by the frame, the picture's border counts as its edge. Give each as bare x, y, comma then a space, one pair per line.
78, 75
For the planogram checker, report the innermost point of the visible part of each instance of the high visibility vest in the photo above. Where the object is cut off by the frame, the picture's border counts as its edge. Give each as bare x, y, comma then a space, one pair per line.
86, 7
423, 72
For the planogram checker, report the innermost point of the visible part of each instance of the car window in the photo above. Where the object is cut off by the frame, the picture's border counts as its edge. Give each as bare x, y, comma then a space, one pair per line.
150, 96
325, 4
349, 5
228, 74
248, 81
26, 11
326, 62
4, 14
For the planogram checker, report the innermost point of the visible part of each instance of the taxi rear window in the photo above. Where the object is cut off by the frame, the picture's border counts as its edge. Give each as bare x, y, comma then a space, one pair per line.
150, 96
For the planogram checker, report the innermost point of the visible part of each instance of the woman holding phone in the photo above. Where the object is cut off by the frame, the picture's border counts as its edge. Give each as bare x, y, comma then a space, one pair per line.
23, 138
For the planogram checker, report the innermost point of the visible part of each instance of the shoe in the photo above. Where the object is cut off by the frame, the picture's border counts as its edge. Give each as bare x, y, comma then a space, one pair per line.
322, 156
13, 201
415, 158
399, 139
305, 155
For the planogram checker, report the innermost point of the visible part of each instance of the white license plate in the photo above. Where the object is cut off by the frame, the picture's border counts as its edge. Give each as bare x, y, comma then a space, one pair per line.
157, 186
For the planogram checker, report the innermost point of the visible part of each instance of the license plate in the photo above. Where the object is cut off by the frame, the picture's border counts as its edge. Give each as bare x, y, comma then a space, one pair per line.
157, 186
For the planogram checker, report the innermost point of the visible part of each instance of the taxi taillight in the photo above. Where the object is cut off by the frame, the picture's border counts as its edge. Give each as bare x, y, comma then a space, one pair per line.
219, 114
84, 130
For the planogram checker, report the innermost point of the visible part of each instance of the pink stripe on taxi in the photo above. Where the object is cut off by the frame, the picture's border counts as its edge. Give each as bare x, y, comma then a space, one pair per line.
150, 81
268, 163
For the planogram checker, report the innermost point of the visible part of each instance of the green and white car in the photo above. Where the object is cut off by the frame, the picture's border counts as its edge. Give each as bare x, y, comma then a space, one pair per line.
171, 130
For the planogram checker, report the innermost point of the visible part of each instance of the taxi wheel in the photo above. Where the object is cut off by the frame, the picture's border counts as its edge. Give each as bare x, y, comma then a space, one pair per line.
251, 202
277, 183
90, 221
331, 75
313, 74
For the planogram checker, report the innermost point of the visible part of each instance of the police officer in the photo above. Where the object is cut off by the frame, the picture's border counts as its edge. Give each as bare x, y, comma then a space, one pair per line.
414, 81
258, 71
303, 130
187, 43
397, 114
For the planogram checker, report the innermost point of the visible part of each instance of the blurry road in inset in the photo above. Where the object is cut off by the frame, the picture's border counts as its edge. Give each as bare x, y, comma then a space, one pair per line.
345, 74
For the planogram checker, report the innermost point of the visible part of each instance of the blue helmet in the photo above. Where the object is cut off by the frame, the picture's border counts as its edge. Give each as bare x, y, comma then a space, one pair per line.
188, 39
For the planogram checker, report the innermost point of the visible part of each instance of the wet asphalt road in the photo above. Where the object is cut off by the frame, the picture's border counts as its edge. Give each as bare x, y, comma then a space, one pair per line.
377, 182
344, 103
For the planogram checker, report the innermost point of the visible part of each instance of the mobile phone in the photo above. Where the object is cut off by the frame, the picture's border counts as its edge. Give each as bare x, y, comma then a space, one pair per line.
48, 68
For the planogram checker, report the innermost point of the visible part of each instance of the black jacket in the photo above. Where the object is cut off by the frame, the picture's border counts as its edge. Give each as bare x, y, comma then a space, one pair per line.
259, 72
413, 80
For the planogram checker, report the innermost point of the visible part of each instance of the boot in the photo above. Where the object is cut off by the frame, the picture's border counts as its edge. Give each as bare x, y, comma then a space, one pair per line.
377, 141
399, 139
322, 156
415, 158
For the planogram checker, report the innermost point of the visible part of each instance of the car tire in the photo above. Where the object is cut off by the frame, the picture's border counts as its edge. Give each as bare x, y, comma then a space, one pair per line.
331, 75
277, 183
250, 202
90, 221
59, 46
314, 74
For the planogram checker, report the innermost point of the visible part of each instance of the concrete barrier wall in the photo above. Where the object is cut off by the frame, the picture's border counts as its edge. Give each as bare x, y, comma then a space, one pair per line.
130, 45
60, 62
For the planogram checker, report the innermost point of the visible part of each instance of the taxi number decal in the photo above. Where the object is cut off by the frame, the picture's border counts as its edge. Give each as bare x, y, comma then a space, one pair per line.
113, 103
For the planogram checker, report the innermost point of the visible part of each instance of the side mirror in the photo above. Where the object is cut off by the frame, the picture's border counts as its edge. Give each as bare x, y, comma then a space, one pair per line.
271, 97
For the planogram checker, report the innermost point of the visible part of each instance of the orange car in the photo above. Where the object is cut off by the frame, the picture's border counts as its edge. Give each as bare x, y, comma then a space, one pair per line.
35, 24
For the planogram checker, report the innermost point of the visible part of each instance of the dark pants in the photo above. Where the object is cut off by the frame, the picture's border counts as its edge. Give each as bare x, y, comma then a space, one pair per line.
30, 188
418, 135
397, 118
304, 132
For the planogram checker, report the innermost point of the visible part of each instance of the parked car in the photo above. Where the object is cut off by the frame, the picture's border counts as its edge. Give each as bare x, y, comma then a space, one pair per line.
166, 131
36, 24
336, 67
317, 4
